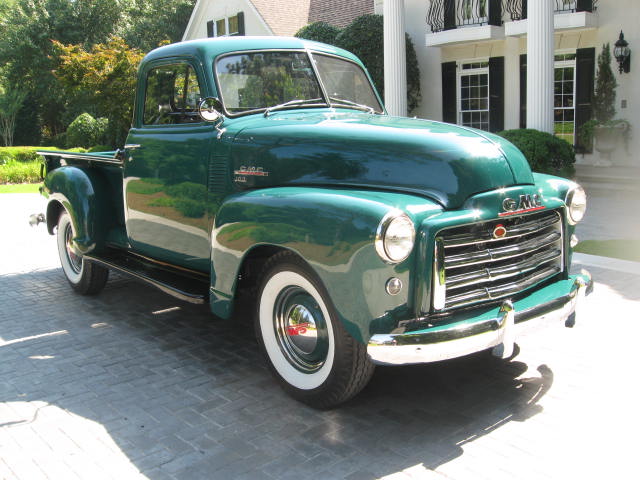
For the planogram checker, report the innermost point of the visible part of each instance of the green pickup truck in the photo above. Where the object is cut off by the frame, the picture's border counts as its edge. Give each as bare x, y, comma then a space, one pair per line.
266, 172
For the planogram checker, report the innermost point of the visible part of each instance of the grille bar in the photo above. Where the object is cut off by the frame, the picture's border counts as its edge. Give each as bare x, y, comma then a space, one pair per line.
472, 265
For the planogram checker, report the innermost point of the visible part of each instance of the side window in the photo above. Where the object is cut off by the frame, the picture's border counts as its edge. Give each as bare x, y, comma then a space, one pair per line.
172, 95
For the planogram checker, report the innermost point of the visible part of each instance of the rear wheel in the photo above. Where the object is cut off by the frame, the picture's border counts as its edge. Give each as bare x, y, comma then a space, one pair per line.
84, 277
308, 349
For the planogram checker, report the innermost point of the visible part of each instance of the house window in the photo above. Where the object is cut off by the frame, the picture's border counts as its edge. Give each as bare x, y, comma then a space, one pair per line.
564, 97
224, 27
473, 96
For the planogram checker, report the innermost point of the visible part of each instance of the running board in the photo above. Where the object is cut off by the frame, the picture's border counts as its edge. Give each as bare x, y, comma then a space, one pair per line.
187, 285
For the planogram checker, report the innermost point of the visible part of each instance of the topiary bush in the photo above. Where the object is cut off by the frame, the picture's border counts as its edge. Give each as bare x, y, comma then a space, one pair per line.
544, 152
319, 32
86, 131
365, 38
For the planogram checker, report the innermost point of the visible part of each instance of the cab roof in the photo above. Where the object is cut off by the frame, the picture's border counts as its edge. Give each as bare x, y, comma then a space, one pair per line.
209, 48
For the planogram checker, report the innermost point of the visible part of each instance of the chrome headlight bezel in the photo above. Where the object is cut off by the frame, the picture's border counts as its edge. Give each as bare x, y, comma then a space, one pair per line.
576, 203
393, 221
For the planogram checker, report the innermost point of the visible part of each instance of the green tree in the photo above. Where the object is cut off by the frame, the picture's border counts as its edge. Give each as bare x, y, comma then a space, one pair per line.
10, 103
153, 22
605, 95
107, 74
27, 53
319, 32
365, 38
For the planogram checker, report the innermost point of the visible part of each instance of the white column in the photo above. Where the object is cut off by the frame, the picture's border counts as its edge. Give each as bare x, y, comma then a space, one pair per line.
540, 50
395, 54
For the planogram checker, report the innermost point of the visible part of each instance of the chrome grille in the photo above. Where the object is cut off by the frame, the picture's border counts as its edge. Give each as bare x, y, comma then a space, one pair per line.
472, 265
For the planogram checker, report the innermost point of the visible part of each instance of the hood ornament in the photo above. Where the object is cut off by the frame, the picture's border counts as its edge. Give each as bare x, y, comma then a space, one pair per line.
526, 203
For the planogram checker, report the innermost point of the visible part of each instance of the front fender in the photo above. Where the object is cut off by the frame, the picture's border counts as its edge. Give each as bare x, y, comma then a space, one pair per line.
83, 195
333, 230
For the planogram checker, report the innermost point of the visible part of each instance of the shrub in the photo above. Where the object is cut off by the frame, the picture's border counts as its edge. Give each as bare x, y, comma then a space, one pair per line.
544, 152
20, 172
319, 32
365, 38
86, 131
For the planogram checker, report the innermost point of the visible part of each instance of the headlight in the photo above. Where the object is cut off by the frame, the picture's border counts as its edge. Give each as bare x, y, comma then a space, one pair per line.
576, 202
395, 237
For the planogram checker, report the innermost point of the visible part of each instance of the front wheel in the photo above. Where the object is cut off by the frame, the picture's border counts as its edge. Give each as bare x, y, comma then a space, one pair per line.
84, 277
308, 349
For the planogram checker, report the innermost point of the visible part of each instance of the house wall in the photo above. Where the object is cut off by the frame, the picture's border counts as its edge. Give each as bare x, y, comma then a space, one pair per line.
206, 10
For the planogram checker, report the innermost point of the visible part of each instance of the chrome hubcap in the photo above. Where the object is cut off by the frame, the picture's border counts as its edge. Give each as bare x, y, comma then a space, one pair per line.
300, 329
75, 261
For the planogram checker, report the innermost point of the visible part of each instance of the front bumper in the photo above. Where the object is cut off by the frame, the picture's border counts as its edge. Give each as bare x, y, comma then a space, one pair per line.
497, 328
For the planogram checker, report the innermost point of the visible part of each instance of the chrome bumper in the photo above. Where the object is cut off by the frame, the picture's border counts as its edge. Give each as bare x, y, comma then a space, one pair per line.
442, 342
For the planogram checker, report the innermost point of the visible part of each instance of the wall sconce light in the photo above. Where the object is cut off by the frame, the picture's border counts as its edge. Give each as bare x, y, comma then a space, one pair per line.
622, 52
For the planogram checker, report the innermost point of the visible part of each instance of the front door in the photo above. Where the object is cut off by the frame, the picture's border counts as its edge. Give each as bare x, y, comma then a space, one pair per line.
166, 169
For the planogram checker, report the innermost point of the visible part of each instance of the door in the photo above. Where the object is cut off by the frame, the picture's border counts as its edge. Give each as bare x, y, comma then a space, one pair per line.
165, 187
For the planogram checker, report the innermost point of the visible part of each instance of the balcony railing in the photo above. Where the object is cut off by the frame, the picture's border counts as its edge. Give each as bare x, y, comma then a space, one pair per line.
450, 14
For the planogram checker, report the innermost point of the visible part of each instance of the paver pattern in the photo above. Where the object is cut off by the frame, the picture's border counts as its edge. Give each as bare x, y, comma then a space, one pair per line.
135, 384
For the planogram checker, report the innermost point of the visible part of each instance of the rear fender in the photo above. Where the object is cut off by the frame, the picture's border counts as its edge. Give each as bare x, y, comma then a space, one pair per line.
84, 194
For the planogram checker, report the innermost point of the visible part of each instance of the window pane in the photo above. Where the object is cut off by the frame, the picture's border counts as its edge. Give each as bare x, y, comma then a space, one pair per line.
346, 81
220, 28
233, 25
259, 80
167, 101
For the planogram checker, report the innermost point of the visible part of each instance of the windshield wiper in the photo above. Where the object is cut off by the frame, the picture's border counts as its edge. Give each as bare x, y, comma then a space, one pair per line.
349, 103
291, 103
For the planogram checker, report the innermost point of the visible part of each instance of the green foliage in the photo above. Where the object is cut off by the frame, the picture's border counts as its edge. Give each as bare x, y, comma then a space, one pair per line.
187, 190
545, 153
153, 22
365, 38
605, 95
319, 32
108, 71
11, 101
20, 172
190, 208
86, 131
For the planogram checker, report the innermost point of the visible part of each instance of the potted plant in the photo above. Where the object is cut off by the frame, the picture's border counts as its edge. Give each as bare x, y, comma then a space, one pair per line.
608, 133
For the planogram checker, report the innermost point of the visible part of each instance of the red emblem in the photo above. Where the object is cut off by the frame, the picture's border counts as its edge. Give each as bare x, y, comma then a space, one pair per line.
293, 330
499, 231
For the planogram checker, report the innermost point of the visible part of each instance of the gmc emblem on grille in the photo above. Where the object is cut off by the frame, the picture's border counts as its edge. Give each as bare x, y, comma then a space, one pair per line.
526, 203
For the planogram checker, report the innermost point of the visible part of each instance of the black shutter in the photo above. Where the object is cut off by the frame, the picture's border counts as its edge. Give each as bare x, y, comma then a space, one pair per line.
449, 93
584, 6
523, 91
585, 74
524, 10
449, 14
210, 28
240, 23
495, 12
496, 94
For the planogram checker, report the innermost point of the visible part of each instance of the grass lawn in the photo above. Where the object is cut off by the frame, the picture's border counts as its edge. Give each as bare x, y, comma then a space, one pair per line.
20, 188
623, 249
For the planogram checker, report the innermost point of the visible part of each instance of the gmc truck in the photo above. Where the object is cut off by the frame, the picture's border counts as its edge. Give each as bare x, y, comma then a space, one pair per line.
266, 171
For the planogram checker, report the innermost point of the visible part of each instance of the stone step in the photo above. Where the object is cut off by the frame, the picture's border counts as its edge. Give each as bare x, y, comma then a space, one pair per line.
610, 179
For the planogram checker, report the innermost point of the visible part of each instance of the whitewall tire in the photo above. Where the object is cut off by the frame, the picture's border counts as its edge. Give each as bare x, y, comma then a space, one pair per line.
308, 350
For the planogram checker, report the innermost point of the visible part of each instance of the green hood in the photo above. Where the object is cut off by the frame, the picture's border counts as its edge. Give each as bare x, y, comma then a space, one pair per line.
336, 148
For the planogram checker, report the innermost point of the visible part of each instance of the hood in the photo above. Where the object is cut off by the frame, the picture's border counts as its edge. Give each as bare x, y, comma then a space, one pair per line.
444, 162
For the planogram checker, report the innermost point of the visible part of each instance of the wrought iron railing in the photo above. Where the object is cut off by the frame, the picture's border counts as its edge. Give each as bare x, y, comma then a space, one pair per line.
450, 14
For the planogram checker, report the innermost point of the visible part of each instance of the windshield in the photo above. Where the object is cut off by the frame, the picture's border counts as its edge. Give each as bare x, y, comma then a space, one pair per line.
255, 81
271, 80
345, 82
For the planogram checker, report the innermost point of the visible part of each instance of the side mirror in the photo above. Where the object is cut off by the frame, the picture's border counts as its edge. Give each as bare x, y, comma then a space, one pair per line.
209, 110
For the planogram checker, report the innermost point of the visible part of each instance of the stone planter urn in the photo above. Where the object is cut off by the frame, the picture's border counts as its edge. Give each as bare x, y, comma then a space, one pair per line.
608, 139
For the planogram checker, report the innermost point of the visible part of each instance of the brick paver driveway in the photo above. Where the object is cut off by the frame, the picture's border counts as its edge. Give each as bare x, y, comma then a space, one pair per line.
134, 384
